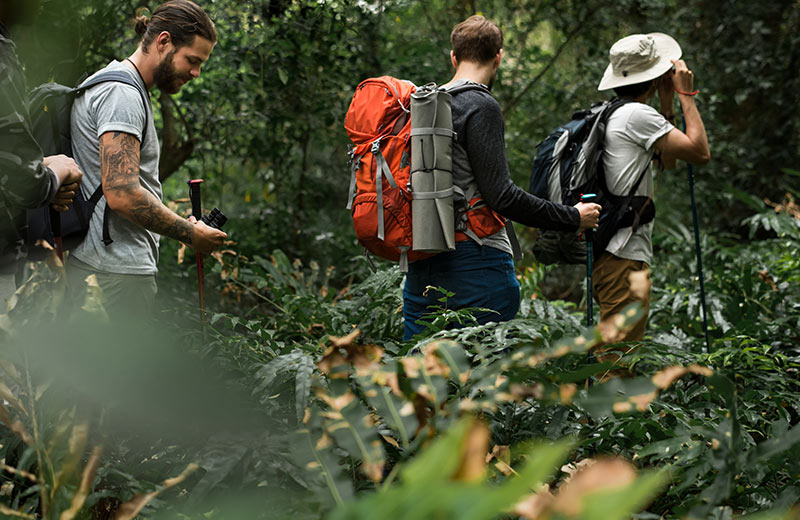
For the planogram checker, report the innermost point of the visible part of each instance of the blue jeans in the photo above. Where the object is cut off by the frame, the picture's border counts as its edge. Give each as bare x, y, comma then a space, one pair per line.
480, 276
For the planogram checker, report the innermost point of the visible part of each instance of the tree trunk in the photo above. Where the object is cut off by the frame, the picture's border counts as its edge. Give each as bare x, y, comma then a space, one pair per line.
173, 152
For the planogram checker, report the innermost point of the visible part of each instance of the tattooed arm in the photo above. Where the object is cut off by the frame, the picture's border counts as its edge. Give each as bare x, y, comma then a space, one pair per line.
119, 165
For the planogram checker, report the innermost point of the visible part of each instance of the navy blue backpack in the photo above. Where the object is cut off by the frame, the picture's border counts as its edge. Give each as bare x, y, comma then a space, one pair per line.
568, 164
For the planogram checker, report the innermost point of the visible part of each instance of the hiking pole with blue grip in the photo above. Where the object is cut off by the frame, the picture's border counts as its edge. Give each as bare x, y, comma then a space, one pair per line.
589, 197
690, 172
197, 212
589, 235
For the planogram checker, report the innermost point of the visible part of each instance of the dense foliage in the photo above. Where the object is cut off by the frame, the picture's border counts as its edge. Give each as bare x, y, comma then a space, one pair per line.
303, 402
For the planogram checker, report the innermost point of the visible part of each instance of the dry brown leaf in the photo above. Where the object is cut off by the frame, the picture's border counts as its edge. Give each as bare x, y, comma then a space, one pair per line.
21, 473
499, 452
519, 392
332, 359
388, 379
699, 369
8, 395
373, 470
638, 402
411, 366
433, 364
572, 469
504, 468
788, 206
337, 403
640, 284
76, 448
133, 507
767, 279
5, 510
605, 474
534, 506
666, 376
391, 441
472, 466
345, 341
567, 392
87, 478
15, 426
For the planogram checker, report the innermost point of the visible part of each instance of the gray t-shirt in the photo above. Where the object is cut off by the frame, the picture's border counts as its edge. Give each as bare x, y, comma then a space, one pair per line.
630, 134
116, 107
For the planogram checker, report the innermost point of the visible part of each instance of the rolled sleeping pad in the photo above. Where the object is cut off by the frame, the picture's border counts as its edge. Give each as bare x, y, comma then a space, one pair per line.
432, 215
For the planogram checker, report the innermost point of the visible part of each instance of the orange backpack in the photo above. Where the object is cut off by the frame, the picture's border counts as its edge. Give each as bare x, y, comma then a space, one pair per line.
379, 125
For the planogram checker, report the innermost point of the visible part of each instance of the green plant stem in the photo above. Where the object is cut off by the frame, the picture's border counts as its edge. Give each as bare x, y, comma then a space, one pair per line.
259, 295
40, 457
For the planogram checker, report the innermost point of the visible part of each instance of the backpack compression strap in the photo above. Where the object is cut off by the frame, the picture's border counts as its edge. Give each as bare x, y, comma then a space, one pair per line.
118, 77
512, 236
381, 169
624, 200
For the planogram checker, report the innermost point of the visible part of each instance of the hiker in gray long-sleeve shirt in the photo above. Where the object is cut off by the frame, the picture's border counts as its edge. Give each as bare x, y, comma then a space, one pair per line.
480, 272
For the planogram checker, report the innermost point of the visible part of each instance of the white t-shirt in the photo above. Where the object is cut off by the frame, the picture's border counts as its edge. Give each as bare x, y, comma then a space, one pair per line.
116, 107
631, 132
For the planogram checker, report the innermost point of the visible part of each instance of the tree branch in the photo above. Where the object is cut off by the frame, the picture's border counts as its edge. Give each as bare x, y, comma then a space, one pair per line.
512, 103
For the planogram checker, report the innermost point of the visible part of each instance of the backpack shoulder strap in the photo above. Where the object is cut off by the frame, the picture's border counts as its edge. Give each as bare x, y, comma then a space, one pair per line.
610, 108
119, 77
469, 85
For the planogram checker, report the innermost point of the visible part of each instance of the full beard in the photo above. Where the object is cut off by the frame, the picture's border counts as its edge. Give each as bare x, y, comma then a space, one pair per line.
166, 78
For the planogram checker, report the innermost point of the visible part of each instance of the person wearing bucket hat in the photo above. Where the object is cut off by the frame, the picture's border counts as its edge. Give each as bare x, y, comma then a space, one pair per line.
642, 65
480, 274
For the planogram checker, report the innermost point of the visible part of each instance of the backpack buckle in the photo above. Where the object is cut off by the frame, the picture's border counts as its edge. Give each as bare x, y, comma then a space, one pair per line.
376, 147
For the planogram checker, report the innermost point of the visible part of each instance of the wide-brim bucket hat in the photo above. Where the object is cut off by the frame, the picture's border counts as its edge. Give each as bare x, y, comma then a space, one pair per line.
638, 58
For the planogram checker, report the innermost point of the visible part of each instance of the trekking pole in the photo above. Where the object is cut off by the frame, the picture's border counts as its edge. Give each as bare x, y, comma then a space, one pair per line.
690, 172
589, 235
588, 197
55, 226
197, 212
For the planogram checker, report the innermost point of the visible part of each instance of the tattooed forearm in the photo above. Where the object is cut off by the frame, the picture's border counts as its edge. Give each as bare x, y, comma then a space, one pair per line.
147, 211
119, 165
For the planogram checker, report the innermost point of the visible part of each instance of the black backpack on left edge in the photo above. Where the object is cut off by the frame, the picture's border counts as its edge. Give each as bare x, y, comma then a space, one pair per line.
50, 109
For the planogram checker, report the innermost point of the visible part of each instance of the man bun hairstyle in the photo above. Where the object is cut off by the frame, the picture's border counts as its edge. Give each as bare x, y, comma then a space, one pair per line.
476, 39
182, 19
141, 20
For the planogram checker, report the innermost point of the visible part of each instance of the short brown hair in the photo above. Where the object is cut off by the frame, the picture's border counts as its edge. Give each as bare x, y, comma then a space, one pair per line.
476, 39
182, 19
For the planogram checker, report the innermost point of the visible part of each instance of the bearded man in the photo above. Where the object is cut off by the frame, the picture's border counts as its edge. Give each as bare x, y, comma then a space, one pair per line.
115, 143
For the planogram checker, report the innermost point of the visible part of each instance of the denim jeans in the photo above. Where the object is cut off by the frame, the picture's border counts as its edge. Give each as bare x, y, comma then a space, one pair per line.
480, 276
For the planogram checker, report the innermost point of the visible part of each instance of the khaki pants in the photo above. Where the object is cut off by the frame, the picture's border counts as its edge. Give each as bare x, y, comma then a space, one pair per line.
126, 296
611, 288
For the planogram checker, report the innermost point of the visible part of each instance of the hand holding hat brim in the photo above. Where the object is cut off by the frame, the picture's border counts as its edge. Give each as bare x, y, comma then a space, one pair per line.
666, 50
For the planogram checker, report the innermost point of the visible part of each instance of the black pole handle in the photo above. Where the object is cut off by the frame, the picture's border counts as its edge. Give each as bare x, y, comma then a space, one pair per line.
195, 197
55, 222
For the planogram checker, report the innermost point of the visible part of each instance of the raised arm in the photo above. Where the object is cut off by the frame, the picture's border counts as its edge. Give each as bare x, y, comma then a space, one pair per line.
119, 164
691, 146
